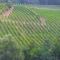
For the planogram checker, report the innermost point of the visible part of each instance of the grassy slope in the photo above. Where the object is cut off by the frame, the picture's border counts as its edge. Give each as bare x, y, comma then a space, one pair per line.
20, 25
2, 7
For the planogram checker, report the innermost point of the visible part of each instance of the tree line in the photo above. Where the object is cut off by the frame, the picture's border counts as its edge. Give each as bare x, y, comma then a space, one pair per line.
41, 2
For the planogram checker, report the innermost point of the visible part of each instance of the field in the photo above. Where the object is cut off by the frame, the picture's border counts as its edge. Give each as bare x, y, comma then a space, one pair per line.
30, 24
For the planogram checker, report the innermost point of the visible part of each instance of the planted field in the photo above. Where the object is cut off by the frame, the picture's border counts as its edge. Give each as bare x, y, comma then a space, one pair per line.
32, 25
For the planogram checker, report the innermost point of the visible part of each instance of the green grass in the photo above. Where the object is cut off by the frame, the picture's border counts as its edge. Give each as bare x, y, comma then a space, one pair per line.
2, 7
22, 25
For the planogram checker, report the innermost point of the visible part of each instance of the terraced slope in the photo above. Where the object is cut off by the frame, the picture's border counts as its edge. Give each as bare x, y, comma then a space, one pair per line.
31, 25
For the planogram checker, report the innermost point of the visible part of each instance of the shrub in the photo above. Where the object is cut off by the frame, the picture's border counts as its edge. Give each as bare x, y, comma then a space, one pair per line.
9, 49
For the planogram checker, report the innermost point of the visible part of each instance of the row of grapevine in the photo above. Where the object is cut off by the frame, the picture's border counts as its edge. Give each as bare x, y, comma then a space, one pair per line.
23, 24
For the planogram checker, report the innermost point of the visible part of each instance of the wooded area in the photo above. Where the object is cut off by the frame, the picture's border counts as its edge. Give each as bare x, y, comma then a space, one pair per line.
42, 2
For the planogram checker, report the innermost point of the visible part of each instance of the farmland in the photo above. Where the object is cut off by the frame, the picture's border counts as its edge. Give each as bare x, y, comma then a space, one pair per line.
25, 26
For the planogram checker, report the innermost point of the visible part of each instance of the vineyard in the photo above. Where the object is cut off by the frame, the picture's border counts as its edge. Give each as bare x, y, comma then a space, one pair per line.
32, 26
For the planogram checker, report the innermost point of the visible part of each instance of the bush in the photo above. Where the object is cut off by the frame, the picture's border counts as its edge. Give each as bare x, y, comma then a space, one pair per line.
9, 49
46, 52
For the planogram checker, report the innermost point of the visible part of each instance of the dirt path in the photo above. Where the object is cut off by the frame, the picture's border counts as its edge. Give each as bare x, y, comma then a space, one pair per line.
7, 12
42, 21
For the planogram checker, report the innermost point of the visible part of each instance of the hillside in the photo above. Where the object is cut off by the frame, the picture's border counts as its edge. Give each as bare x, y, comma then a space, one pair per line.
34, 29
25, 25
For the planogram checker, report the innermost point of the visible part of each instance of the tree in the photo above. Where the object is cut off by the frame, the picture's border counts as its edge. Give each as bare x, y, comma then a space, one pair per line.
10, 50
56, 51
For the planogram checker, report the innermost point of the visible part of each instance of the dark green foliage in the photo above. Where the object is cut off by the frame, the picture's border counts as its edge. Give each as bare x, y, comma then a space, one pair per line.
56, 51
42, 53
8, 6
9, 50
